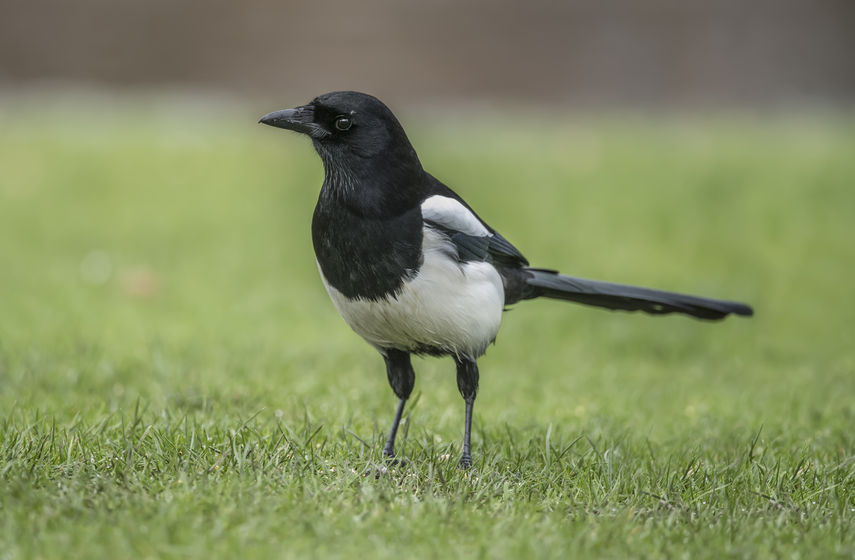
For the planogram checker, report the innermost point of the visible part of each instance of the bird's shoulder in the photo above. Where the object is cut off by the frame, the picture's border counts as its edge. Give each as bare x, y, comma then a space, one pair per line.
445, 210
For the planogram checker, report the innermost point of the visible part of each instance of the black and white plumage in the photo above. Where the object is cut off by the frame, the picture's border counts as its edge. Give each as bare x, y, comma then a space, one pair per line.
411, 267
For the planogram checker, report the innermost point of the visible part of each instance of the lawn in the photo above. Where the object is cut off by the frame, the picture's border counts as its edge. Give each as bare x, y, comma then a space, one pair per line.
174, 381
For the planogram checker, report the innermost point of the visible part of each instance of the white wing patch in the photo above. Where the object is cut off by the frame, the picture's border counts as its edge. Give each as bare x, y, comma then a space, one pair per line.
450, 213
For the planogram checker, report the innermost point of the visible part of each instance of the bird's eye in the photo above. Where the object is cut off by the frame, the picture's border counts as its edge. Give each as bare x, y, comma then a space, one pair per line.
343, 123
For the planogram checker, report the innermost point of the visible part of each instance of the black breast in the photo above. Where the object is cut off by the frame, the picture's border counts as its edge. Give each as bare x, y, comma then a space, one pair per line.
363, 256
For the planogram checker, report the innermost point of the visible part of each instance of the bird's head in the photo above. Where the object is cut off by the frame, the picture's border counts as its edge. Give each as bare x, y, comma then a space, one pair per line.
345, 125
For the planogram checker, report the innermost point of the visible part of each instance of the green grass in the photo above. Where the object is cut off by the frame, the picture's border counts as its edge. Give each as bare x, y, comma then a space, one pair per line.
175, 383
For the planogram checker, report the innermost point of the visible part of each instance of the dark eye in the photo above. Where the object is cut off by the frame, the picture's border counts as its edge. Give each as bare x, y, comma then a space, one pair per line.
343, 123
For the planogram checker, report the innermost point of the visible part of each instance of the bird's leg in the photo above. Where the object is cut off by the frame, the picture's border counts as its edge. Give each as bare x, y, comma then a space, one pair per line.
389, 450
401, 377
467, 383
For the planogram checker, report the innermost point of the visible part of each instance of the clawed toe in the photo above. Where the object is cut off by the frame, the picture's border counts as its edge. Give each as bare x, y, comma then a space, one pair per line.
392, 461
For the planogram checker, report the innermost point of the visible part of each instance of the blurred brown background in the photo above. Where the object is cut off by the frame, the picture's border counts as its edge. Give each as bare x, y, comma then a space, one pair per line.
656, 53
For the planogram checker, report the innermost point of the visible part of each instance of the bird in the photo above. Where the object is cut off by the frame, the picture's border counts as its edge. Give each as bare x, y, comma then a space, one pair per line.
412, 268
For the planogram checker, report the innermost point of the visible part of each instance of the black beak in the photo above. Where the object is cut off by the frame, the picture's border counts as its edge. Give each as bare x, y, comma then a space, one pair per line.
298, 119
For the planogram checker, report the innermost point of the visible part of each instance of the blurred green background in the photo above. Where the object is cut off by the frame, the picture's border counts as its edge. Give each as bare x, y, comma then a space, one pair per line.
175, 382
171, 236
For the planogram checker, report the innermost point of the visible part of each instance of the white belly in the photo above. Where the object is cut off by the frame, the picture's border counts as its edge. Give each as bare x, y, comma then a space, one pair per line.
454, 307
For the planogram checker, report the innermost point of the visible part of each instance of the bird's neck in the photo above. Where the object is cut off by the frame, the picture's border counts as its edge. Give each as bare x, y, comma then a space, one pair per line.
380, 186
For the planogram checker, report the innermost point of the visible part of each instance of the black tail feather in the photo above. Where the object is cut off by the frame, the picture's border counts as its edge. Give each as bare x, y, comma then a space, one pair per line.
548, 283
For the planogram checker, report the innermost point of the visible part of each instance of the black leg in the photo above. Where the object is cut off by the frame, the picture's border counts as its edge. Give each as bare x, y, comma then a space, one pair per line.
389, 450
467, 383
401, 378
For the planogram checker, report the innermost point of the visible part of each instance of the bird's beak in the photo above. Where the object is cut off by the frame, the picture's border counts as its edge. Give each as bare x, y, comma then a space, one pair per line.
298, 119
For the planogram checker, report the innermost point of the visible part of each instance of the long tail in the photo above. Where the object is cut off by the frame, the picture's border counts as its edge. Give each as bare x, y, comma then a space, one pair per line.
549, 283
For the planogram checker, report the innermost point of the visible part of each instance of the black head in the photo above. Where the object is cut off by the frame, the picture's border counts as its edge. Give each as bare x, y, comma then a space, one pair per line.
368, 161
344, 124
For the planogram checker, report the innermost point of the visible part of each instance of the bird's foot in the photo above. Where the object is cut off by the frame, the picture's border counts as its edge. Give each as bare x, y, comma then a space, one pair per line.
390, 461
465, 461
394, 461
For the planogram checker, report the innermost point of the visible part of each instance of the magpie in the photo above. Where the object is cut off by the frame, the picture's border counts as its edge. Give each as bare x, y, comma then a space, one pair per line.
412, 268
